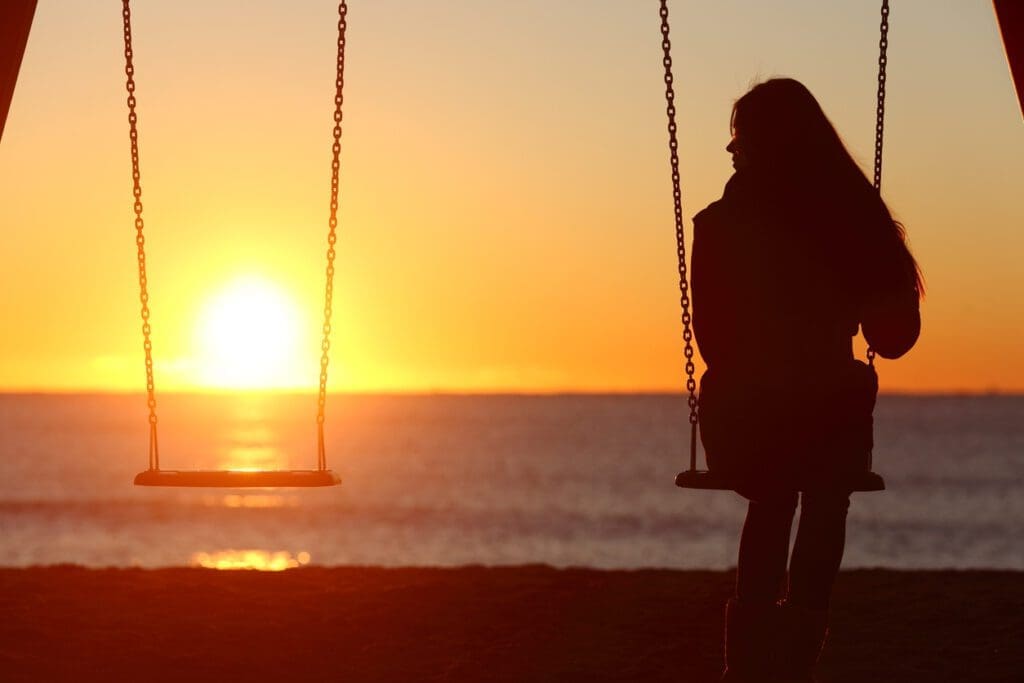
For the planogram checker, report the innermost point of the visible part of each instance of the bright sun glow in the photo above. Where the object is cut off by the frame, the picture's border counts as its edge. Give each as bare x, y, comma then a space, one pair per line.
251, 336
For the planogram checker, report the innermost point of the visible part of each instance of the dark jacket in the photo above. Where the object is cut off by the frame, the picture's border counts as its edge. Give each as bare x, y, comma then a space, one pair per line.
780, 287
766, 301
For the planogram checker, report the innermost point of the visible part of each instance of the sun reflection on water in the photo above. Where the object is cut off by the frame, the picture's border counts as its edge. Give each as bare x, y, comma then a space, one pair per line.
262, 560
253, 458
251, 500
259, 501
251, 444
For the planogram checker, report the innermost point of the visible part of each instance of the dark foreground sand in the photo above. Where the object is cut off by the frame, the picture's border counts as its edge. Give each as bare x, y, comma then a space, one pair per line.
478, 624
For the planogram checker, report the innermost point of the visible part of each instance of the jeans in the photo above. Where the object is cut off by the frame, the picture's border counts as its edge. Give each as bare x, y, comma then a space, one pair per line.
817, 551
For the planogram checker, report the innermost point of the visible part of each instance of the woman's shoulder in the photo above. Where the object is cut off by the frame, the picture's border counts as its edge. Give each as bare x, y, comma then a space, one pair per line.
714, 214
735, 201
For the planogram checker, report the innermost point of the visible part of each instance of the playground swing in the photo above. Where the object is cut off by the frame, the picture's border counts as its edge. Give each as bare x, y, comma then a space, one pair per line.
154, 476
692, 477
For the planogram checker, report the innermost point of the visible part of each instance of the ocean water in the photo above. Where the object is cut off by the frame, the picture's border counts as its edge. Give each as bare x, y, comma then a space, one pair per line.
452, 480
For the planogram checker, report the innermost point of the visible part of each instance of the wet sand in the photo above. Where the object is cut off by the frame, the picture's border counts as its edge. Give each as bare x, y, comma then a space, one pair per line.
472, 624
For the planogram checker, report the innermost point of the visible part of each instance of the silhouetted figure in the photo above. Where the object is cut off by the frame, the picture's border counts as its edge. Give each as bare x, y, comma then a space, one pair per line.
798, 253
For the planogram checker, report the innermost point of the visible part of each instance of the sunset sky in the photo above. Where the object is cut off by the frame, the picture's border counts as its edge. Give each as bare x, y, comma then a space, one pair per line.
506, 219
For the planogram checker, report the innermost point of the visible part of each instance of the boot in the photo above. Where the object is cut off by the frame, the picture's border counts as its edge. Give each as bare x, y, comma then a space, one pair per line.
750, 630
802, 635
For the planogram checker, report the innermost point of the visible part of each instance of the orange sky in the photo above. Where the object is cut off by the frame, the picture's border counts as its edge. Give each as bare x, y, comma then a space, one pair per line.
506, 206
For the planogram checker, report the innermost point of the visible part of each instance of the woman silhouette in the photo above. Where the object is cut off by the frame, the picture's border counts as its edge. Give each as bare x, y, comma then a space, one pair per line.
798, 253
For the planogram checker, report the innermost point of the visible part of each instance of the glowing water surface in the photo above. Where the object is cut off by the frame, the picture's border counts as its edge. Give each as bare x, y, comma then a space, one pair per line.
451, 480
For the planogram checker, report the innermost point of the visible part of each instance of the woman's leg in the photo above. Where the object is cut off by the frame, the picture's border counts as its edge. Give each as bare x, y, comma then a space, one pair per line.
764, 548
817, 553
818, 549
751, 618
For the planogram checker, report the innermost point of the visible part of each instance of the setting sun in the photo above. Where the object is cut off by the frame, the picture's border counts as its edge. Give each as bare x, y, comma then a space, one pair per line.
251, 335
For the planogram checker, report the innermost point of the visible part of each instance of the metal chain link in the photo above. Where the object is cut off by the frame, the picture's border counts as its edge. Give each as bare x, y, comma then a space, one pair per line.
684, 287
883, 60
332, 238
140, 240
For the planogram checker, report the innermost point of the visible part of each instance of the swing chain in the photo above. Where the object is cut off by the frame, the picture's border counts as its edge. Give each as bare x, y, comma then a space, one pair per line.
684, 288
140, 240
332, 237
883, 60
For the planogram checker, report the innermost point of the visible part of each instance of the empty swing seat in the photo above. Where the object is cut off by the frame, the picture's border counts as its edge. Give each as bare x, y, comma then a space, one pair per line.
714, 481
154, 476
237, 478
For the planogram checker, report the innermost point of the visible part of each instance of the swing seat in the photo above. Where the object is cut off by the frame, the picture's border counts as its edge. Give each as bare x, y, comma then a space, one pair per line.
714, 481
237, 478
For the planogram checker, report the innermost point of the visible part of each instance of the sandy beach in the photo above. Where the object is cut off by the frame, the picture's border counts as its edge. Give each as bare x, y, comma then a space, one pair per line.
530, 623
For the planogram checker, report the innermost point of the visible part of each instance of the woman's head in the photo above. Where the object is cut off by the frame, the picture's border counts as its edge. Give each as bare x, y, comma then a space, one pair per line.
780, 132
778, 125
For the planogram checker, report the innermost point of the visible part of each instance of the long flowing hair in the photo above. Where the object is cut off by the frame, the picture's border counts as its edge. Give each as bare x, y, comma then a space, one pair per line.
784, 133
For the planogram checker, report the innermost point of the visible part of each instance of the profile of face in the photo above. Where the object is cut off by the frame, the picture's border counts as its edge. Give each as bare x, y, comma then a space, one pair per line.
739, 159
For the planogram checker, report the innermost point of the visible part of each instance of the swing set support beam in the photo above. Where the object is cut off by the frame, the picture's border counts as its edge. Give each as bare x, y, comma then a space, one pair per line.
15, 23
1010, 17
